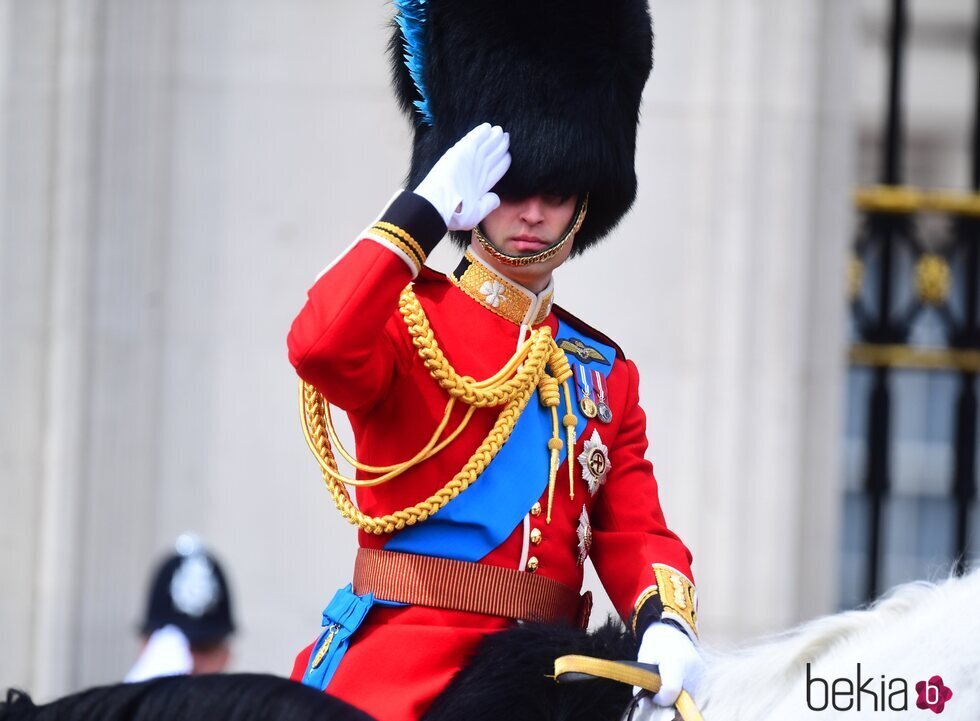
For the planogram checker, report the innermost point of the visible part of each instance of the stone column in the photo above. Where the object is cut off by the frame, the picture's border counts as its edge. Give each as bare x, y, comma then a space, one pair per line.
66, 390
85, 203
128, 271
28, 61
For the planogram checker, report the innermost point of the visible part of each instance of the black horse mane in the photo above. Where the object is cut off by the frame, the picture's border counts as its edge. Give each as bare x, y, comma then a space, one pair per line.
509, 677
219, 697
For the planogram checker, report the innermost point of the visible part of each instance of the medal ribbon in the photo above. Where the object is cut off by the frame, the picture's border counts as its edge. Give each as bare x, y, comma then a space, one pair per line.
583, 384
599, 385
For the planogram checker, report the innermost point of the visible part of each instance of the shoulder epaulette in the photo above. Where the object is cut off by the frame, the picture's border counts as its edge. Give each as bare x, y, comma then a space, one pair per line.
584, 328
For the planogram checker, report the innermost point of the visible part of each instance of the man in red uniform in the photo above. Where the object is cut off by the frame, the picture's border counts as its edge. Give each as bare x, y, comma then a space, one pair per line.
484, 481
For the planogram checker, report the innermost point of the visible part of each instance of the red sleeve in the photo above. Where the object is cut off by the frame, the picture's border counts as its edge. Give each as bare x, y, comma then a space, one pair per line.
345, 340
638, 558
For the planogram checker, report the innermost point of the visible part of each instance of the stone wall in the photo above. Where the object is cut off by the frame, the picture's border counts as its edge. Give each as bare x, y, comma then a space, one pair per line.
176, 172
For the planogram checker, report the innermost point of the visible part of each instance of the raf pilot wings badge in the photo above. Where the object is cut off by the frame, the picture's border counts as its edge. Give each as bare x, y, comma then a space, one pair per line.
585, 353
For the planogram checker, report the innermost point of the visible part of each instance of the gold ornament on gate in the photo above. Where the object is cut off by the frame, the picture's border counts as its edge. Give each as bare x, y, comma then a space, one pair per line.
933, 279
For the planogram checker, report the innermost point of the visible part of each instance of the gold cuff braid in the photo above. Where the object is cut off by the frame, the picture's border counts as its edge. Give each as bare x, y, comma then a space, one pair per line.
408, 246
676, 594
402, 235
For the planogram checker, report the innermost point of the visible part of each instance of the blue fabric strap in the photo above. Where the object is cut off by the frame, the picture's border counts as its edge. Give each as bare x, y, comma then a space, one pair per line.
341, 618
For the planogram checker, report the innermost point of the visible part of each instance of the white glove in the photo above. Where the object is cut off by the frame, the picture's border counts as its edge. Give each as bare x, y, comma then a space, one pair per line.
681, 667
459, 183
167, 653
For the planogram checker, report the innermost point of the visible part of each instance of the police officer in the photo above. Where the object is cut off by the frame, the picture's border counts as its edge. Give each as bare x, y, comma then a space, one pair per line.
188, 625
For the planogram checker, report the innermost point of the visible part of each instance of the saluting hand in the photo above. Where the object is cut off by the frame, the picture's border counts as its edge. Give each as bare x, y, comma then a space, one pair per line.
458, 186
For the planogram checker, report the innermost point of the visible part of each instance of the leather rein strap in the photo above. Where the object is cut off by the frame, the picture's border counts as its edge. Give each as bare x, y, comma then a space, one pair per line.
465, 586
580, 668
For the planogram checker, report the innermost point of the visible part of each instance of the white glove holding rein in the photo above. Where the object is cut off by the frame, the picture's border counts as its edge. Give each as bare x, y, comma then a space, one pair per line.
681, 667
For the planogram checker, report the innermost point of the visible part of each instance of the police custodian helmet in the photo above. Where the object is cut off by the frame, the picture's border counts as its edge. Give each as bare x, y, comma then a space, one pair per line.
190, 591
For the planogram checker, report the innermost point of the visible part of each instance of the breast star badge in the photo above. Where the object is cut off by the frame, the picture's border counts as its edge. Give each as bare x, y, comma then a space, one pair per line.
595, 463
584, 536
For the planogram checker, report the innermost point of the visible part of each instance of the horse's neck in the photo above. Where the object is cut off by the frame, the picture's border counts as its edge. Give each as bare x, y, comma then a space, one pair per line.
918, 631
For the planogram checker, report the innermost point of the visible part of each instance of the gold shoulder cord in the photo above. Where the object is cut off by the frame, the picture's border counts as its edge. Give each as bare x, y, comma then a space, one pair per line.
511, 387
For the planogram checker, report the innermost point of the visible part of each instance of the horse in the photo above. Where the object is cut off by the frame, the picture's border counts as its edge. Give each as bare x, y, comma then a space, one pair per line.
870, 663
918, 644
879, 660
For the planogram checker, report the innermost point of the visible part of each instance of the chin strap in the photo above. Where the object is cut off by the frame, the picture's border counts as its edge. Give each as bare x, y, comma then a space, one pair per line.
550, 252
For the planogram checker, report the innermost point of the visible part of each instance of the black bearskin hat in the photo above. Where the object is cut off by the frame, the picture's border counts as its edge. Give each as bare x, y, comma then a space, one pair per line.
563, 77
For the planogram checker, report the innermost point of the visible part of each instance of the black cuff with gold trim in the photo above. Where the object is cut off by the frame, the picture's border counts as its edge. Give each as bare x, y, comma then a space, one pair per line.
648, 611
672, 599
411, 223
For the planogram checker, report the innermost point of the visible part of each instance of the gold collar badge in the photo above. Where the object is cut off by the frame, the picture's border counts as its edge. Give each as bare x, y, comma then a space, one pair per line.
499, 294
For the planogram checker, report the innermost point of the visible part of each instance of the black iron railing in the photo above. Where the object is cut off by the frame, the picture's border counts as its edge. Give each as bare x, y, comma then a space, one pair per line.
906, 264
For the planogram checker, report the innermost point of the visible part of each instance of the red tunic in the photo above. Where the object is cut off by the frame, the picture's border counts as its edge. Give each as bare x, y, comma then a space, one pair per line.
351, 342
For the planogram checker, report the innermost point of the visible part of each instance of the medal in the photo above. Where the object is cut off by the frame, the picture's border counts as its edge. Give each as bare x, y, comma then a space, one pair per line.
588, 407
585, 403
595, 463
584, 536
602, 407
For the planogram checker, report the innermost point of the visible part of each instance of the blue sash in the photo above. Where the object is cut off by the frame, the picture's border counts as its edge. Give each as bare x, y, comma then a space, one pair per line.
480, 519
471, 525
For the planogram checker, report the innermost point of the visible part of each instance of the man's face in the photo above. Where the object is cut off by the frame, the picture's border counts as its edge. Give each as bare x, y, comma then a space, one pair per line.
212, 658
525, 226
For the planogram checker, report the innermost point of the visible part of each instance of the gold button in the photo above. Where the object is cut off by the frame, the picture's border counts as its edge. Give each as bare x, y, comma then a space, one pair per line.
536, 536
536, 509
532, 564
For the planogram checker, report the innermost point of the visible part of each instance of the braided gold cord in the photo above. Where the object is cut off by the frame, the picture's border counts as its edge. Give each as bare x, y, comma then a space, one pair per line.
534, 354
511, 388
569, 421
430, 449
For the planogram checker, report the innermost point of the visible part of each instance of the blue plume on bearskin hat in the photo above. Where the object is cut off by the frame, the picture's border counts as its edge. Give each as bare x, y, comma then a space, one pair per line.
563, 77
410, 20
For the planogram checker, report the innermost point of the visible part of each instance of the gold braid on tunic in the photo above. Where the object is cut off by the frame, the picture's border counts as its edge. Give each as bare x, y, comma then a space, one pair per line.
510, 389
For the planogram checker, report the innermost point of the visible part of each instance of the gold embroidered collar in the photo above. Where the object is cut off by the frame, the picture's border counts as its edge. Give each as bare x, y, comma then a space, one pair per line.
501, 295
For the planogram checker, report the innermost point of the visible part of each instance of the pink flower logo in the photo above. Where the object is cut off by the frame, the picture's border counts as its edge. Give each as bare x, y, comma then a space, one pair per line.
933, 694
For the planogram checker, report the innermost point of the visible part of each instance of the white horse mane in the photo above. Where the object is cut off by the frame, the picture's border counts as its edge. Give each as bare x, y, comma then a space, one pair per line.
915, 631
